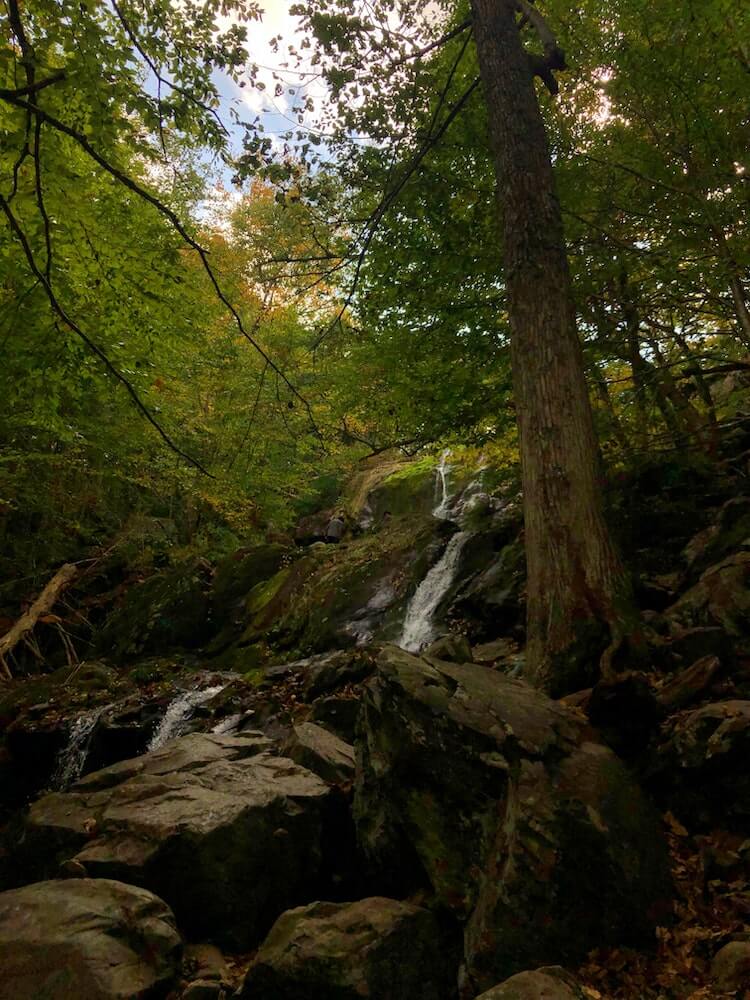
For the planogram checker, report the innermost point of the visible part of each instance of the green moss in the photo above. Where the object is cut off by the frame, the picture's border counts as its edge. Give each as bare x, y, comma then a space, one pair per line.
264, 592
417, 469
255, 677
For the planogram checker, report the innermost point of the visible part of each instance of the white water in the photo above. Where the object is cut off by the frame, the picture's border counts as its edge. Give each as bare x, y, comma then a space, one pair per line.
179, 712
442, 494
72, 757
419, 628
228, 725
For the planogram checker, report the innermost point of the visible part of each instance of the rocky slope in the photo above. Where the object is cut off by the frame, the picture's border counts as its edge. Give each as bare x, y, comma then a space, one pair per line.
253, 763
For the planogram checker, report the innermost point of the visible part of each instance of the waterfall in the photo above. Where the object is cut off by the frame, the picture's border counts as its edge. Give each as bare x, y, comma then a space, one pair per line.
179, 712
418, 629
442, 495
72, 757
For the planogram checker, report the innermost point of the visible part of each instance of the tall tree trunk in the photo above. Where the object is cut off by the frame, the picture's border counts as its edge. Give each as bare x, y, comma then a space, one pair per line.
578, 597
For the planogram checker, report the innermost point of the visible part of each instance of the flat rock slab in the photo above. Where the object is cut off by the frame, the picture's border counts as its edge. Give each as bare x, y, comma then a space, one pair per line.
226, 832
321, 752
535, 836
87, 939
376, 947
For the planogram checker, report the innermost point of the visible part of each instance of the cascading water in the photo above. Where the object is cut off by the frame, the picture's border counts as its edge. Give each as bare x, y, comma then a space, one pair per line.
72, 758
442, 495
419, 629
179, 712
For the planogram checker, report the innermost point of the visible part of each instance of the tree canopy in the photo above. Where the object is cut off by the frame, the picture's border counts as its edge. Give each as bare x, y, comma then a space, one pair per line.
277, 306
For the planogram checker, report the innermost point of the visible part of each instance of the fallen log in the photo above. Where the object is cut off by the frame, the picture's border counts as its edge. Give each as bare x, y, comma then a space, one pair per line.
41, 606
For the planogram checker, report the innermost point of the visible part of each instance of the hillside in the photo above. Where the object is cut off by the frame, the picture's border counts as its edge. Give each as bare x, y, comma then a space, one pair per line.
218, 702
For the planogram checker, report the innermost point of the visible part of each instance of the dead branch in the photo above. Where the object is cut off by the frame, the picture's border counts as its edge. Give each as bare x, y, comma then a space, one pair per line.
24, 627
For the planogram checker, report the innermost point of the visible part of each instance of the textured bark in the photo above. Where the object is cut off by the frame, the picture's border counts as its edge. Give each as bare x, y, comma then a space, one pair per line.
577, 591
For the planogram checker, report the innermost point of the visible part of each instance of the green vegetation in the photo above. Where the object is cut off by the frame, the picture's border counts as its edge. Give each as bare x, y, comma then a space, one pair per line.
186, 373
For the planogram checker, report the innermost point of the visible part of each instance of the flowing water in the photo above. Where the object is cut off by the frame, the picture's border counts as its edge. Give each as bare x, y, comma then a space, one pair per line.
442, 493
419, 627
179, 712
72, 758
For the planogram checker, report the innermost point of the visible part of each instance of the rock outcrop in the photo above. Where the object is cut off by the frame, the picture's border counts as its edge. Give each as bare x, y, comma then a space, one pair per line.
376, 947
700, 769
533, 835
88, 939
321, 752
226, 832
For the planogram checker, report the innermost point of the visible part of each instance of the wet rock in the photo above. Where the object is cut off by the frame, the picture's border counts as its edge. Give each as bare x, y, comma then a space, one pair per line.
225, 831
491, 600
551, 983
541, 841
731, 966
376, 947
92, 939
321, 752
326, 673
451, 648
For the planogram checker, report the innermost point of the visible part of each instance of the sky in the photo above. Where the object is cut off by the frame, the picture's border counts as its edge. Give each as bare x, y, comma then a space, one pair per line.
275, 111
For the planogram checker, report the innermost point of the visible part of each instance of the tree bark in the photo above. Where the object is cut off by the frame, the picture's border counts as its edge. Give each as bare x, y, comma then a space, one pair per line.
578, 595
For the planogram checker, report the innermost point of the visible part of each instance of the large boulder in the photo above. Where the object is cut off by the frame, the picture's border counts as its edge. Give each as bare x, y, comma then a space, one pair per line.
239, 572
375, 947
552, 983
88, 939
490, 599
226, 832
537, 838
321, 752
169, 610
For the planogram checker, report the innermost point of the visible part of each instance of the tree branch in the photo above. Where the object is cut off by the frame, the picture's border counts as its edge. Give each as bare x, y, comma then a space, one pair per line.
172, 217
72, 325
378, 215
454, 33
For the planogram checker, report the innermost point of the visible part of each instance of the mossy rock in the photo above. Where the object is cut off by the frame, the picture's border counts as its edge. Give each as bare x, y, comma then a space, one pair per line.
236, 575
409, 490
170, 610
